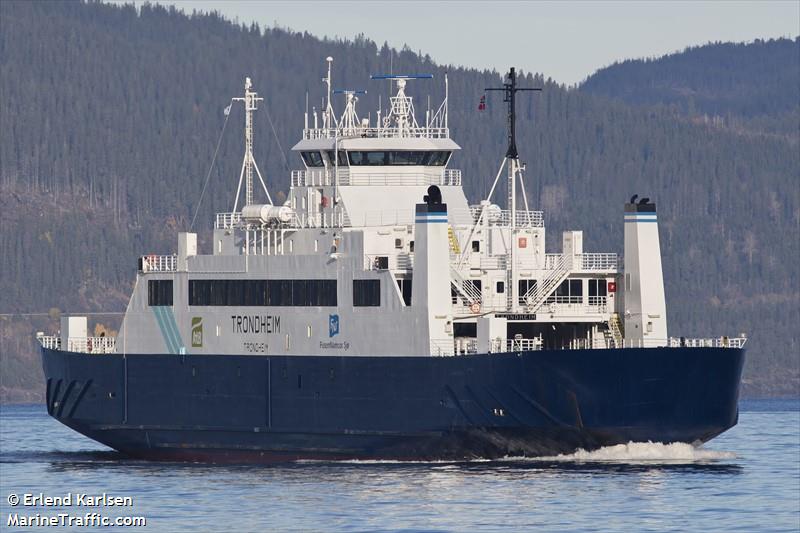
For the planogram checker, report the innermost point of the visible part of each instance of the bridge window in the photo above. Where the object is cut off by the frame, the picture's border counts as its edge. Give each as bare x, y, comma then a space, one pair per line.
312, 159
342, 158
263, 292
366, 293
399, 158
159, 292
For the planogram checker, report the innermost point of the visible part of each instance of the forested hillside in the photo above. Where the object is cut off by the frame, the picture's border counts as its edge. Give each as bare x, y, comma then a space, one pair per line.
750, 86
109, 118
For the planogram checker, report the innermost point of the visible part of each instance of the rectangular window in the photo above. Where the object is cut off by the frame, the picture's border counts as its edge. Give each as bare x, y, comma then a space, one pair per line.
569, 292
159, 292
366, 293
342, 158
263, 292
526, 286
598, 287
576, 287
501, 287
405, 290
312, 159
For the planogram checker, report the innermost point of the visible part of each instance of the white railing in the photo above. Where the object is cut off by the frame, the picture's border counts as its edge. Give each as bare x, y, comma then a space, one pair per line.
451, 176
603, 262
551, 260
466, 345
502, 217
381, 133
523, 345
227, 220
715, 342
95, 345
598, 301
51, 342
314, 177
159, 263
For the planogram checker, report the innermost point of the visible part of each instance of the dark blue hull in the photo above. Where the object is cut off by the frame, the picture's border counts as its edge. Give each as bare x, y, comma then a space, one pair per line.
268, 408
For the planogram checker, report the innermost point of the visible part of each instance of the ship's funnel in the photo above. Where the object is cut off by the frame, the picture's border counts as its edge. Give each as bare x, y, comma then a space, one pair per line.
645, 307
431, 287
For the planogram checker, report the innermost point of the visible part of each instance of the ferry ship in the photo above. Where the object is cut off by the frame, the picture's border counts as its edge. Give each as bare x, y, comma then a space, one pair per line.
376, 314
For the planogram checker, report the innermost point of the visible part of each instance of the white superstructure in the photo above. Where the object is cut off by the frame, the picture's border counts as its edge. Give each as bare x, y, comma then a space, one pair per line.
356, 262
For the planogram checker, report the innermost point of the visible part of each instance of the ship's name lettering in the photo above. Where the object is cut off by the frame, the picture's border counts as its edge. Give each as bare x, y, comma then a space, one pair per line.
256, 323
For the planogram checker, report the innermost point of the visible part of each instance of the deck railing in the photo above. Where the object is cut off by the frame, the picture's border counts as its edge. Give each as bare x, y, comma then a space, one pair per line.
421, 132
502, 217
314, 177
602, 262
465, 345
94, 345
159, 263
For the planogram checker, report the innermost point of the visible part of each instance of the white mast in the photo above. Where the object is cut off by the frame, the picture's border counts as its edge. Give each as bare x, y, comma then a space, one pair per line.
328, 116
250, 100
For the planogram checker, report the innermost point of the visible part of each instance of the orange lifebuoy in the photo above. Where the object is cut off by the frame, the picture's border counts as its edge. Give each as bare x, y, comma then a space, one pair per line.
475, 307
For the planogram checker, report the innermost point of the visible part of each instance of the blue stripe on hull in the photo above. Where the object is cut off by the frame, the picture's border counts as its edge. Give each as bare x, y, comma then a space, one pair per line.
268, 408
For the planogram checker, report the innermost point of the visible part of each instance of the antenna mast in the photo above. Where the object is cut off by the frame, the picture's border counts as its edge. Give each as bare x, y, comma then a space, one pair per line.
250, 100
327, 121
510, 90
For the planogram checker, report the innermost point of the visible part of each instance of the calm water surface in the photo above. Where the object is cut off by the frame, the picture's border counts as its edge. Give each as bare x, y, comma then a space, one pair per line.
748, 479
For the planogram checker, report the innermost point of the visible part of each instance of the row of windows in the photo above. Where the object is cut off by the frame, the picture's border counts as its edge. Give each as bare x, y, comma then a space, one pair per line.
393, 158
437, 158
270, 292
263, 292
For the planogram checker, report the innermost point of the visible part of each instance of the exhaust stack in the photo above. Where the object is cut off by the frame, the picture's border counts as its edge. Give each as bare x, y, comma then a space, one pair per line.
645, 305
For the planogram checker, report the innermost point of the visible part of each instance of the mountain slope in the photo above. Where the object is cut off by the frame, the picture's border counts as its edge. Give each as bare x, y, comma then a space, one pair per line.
110, 117
749, 84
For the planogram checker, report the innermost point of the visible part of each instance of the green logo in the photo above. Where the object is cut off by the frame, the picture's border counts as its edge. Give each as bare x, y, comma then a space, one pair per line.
197, 332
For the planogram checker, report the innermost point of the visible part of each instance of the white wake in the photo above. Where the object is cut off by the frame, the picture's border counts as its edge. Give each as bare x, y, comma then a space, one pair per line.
649, 452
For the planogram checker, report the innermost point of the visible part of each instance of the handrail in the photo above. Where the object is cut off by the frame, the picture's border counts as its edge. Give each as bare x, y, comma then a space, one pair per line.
599, 261
314, 177
159, 263
93, 345
502, 217
381, 133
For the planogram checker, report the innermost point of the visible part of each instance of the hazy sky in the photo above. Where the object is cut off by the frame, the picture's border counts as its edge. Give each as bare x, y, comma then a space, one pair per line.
564, 40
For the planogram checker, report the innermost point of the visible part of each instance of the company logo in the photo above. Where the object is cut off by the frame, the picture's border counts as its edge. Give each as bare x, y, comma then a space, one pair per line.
333, 325
197, 332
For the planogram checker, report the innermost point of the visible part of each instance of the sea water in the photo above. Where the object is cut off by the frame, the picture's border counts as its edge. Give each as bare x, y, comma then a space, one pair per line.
747, 479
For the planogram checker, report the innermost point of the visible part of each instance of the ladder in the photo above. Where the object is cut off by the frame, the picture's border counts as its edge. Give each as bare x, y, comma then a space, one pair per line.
451, 236
617, 329
464, 287
537, 294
